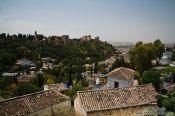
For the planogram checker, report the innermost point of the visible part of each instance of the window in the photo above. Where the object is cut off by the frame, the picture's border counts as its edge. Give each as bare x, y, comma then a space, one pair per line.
116, 84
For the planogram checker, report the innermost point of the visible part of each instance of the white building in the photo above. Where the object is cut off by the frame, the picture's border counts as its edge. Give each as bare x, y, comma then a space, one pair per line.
6, 74
166, 58
120, 77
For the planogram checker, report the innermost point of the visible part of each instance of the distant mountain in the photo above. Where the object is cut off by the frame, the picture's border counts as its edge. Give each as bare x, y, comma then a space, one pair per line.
118, 44
169, 45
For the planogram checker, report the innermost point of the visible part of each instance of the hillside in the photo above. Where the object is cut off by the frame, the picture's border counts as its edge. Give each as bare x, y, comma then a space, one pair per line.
67, 51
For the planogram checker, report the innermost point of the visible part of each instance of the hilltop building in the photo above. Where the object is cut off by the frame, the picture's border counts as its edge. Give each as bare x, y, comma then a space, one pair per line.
59, 40
88, 38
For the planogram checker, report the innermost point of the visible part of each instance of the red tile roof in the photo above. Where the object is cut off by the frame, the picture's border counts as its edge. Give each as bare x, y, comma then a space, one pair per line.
117, 98
23, 105
122, 72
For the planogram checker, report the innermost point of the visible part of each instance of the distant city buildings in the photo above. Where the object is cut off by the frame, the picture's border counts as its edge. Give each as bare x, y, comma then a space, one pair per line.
47, 63
124, 52
7, 74
166, 58
25, 62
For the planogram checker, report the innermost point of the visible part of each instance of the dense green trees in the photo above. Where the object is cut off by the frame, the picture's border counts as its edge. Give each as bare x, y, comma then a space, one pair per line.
73, 52
7, 85
173, 55
25, 88
74, 89
169, 74
159, 48
102, 68
39, 80
7, 59
95, 67
153, 77
141, 55
167, 101
70, 58
50, 81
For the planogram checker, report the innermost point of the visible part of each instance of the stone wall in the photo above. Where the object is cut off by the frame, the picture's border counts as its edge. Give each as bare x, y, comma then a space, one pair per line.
122, 82
60, 109
78, 108
129, 111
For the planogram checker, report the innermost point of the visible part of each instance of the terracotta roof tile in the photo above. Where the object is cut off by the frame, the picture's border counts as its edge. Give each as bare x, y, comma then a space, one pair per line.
122, 72
23, 105
117, 98
57, 86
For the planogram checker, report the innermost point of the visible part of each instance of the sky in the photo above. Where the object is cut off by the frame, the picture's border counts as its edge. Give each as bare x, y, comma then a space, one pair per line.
111, 20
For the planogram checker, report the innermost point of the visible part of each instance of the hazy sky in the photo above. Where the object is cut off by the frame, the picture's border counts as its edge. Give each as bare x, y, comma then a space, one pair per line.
112, 20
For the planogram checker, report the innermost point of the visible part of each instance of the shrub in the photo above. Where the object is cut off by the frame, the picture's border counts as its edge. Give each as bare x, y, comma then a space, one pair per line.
164, 91
50, 81
25, 88
168, 104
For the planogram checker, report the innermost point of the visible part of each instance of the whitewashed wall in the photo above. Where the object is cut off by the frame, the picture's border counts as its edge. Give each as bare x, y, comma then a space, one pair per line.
122, 82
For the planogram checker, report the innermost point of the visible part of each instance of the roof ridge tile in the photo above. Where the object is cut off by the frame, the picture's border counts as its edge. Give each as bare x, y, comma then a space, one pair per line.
117, 98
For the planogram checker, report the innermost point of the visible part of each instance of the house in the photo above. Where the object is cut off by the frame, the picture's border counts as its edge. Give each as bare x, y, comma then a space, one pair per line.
98, 81
172, 64
25, 62
120, 77
166, 58
25, 77
36, 104
158, 68
6, 74
59, 87
164, 61
128, 101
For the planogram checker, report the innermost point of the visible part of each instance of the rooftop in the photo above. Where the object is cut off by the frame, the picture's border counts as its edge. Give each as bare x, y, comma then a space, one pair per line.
25, 77
124, 73
117, 98
9, 74
57, 87
30, 103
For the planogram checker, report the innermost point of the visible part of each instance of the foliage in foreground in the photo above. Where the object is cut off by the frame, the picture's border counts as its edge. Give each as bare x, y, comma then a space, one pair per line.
167, 101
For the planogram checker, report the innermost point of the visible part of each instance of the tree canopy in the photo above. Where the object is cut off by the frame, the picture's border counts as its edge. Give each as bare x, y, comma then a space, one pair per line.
142, 54
25, 88
153, 77
73, 52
